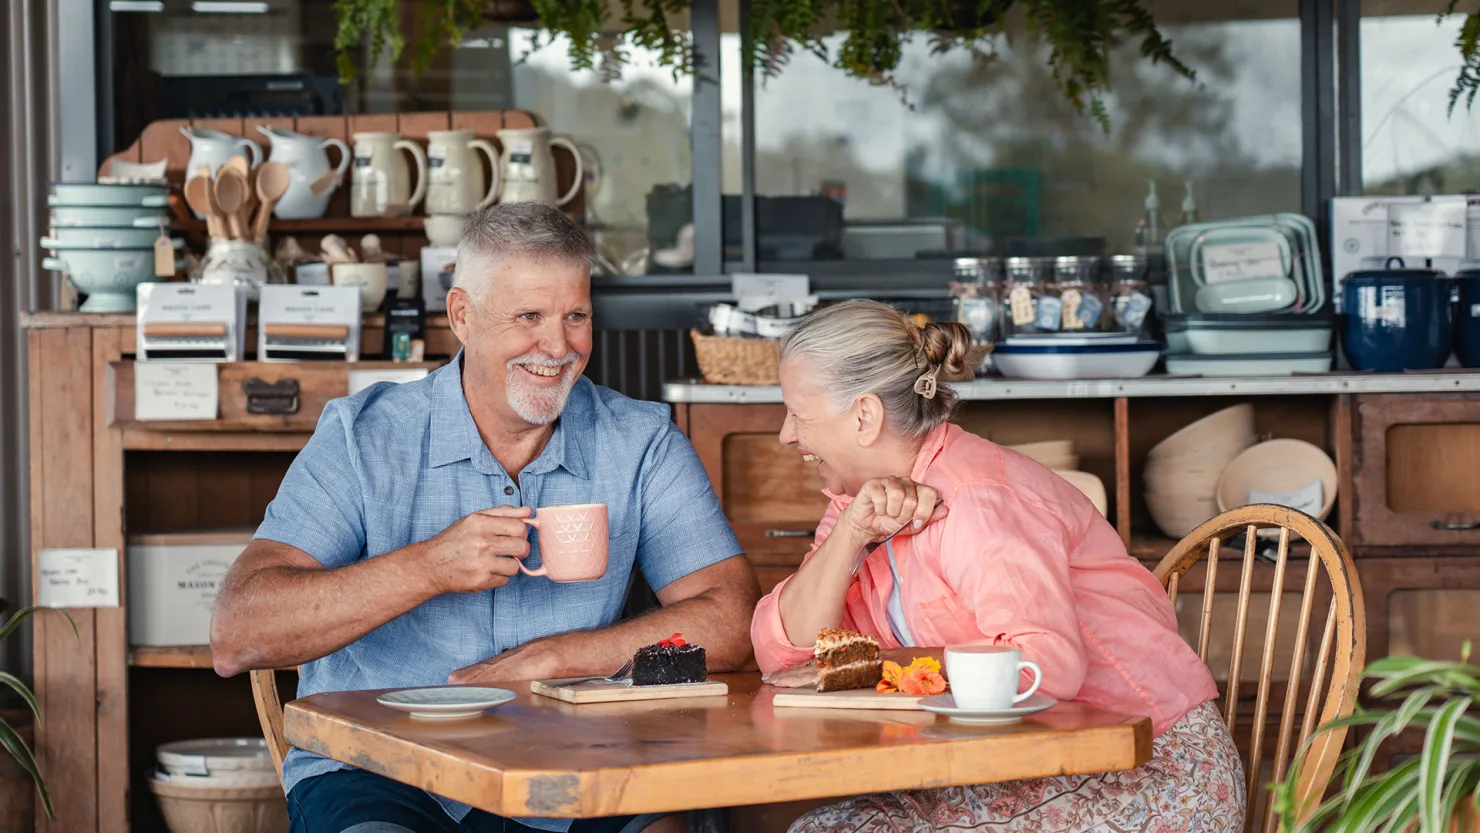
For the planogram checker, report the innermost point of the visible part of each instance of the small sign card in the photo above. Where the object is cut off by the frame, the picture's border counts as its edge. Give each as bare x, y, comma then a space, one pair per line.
1243, 261
1308, 500
175, 390
361, 379
77, 577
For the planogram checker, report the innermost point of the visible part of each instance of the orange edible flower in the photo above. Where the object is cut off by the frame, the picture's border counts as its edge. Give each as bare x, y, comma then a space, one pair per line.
921, 677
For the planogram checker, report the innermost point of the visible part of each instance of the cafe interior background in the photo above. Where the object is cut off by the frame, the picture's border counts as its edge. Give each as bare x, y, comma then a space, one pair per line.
894, 193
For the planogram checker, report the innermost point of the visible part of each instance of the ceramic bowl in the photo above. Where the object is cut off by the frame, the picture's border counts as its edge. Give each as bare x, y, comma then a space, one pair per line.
1092, 487
100, 194
444, 230
1048, 362
221, 809
1177, 517
215, 755
104, 238
108, 277
109, 217
1283, 465
1231, 422
369, 277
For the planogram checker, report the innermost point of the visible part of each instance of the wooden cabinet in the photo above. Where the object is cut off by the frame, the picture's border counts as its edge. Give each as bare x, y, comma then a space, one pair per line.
1414, 464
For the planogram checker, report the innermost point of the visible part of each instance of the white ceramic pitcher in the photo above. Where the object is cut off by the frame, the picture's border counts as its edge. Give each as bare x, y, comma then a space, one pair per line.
455, 177
211, 148
381, 181
529, 166
307, 158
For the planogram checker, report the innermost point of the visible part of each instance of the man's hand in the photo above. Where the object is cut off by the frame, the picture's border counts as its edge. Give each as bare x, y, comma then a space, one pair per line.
479, 552
537, 660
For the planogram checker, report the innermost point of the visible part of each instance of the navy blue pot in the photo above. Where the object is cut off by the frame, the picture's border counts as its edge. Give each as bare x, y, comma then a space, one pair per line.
1467, 318
1397, 319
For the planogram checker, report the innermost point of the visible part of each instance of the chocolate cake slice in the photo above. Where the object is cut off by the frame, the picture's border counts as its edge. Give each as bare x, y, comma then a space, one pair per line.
670, 662
846, 660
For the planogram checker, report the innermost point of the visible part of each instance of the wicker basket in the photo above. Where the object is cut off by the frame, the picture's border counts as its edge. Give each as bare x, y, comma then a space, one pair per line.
725, 360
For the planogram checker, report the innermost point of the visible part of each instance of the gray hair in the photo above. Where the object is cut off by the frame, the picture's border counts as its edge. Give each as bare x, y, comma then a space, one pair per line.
528, 229
860, 346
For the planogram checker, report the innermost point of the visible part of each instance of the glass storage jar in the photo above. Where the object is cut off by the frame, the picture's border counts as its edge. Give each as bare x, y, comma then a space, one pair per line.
1076, 283
1130, 294
1025, 310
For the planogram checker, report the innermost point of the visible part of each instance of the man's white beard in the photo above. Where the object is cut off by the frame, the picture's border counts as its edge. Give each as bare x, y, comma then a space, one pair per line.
534, 404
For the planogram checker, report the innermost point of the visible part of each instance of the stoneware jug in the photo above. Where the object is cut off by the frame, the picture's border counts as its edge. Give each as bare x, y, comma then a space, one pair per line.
381, 184
529, 166
307, 158
211, 148
455, 176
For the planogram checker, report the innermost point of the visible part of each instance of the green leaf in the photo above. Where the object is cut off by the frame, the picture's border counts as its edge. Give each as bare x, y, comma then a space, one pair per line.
15, 620
25, 693
1435, 760
1460, 779
17, 748
1381, 798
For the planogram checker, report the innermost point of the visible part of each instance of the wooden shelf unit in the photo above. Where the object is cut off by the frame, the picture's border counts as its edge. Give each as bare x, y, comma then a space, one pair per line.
185, 656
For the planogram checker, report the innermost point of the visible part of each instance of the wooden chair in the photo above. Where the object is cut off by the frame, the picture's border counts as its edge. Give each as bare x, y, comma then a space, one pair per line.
1341, 655
270, 715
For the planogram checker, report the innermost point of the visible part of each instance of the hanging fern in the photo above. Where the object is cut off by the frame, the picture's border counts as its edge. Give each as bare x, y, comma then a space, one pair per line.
1080, 35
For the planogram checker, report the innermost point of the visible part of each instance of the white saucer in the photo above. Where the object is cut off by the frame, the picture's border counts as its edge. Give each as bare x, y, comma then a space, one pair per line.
446, 702
945, 704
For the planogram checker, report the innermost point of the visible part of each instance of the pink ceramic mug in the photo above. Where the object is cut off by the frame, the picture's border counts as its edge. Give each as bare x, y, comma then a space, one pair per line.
573, 542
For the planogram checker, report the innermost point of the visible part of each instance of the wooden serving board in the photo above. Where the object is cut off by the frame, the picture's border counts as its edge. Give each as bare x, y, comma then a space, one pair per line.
863, 698
602, 691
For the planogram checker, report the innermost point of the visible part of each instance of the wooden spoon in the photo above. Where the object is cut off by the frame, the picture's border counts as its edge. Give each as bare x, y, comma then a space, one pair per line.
238, 164
198, 197
273, 179
321, 184
231, 197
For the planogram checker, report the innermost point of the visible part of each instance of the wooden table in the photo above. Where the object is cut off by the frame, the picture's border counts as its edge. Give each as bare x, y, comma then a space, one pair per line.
540, 757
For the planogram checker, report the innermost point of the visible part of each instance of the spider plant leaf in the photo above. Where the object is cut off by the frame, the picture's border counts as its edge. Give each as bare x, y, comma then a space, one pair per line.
25, 693
1461, 777
19, 615
1356, 773
18, 750
1403, 815
1378, 799
1435, 758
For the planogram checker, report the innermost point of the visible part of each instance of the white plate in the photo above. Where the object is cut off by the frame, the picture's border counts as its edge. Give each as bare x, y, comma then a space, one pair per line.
945, 704
445, 702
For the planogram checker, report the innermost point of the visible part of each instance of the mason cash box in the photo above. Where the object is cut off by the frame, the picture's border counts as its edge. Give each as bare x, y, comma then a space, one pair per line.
172, 583
308, 323
191, 322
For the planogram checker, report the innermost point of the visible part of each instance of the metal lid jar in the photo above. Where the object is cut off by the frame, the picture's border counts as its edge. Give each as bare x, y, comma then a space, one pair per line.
1026, 280
1130, 294
1076, 285
977, 290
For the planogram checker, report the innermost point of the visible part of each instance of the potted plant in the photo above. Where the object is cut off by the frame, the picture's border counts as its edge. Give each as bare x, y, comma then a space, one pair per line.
1080, 34
19, 773
1433, 792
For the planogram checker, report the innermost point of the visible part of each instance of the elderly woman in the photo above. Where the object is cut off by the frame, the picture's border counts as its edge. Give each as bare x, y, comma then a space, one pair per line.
990, 547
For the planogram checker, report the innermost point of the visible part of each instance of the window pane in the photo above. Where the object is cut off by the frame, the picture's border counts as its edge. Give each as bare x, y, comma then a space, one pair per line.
992, 151
1410, 142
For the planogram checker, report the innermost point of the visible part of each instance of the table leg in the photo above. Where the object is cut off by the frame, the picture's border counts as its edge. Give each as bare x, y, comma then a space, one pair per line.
709, 821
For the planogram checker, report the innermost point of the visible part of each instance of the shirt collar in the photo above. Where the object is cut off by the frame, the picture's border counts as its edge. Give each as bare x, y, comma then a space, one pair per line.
454, 434
935, 443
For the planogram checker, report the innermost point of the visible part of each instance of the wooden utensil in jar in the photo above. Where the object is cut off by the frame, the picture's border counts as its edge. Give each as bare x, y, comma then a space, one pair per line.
231, 198
198, 197
273, 179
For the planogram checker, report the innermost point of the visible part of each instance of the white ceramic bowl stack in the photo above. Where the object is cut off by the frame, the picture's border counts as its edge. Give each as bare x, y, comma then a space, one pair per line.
1182, 471
219, 785
102, 238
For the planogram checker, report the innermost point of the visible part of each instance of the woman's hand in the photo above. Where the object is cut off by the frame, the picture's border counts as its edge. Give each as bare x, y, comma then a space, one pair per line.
797, 676
888, 505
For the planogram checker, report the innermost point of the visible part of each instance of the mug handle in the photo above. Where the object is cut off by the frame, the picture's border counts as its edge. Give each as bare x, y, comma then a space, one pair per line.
253, 149
344, 156
496, 181
1037, 680
534, 522
561, 141
1388, 264
421, 171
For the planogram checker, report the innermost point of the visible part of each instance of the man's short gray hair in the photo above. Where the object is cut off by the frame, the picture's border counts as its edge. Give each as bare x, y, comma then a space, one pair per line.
527, 229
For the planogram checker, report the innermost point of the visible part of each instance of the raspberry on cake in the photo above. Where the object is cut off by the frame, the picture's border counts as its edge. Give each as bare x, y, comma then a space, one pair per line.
846, 660
670, 662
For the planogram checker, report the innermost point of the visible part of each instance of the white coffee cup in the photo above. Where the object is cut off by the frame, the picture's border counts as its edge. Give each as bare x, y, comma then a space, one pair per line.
985, 677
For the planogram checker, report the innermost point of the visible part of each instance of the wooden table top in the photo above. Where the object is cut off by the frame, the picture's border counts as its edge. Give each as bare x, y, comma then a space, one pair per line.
537, 756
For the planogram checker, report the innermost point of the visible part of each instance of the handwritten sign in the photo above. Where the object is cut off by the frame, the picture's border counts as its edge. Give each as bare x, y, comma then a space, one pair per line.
77, 577
175, 390
1242, 262
361, 379
1434, 229
1308, 500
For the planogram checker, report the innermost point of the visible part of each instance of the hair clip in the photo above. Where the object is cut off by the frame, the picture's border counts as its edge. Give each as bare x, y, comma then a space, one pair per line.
925, 385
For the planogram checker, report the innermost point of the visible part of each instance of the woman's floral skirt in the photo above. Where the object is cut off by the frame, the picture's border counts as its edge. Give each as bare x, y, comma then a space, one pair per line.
1194, 782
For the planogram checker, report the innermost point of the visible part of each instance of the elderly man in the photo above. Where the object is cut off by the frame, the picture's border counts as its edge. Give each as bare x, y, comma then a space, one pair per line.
390, 555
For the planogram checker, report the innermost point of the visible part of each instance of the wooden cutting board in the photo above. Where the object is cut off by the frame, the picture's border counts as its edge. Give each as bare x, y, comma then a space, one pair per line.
603, 691
863, 698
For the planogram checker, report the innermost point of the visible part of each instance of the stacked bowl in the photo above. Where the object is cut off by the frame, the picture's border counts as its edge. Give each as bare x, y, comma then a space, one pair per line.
219, 785
1182, 471
102, 238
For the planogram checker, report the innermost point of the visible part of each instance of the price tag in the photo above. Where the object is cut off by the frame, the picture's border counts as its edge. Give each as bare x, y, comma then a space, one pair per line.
164, 257
175, 390
1308, 500
1242, 262
77, 577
